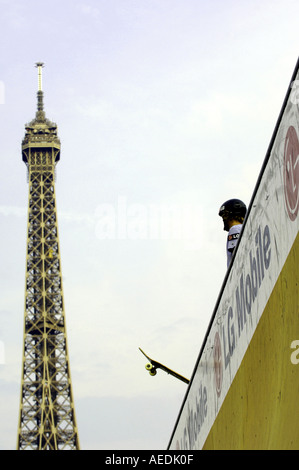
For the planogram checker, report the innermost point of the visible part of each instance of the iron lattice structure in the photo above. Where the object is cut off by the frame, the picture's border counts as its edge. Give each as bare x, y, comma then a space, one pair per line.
47, 416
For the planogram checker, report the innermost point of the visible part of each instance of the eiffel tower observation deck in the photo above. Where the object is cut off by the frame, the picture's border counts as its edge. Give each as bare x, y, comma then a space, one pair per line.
47, 415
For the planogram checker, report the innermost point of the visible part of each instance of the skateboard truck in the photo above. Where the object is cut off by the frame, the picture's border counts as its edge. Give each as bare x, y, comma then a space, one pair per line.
153, 365
152, 370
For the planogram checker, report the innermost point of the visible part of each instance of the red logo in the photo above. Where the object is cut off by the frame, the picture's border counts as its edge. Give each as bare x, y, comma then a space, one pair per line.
218, 366
291, 173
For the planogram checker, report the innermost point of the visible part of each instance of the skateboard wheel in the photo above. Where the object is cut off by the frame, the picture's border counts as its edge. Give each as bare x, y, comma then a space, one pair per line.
148, 366
152, 372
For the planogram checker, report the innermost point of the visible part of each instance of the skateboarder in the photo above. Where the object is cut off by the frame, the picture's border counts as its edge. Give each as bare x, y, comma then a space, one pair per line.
232, 212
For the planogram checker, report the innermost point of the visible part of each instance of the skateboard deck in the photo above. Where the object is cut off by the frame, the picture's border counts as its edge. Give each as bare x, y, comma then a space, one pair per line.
153, 365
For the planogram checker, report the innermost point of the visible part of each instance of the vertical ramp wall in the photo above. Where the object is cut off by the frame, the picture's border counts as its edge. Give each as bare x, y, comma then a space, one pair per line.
244, 390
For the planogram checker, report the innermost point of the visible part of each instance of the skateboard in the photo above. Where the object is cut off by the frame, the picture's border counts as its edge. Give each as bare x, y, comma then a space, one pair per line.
153, 365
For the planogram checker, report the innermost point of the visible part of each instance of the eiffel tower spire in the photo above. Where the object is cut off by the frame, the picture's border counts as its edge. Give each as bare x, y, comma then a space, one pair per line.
40, 95
47, 415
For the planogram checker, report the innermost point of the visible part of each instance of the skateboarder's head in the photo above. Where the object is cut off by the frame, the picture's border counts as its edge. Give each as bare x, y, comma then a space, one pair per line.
232, 212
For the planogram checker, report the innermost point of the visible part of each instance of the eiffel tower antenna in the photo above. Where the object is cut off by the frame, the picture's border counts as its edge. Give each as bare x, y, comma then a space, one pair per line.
39, 66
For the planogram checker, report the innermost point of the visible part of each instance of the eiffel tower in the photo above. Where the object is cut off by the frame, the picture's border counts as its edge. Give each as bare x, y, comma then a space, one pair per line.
47, 415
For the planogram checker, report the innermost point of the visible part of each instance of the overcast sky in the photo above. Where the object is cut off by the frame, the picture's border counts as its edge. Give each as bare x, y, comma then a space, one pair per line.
165, 109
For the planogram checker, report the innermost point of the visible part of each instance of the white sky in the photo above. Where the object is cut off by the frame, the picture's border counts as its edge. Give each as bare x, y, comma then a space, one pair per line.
159, 104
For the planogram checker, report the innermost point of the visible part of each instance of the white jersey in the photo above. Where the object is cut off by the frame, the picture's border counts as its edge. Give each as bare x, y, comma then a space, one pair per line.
232, 240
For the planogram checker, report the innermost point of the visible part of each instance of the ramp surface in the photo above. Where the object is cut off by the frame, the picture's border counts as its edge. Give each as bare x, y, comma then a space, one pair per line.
243, 393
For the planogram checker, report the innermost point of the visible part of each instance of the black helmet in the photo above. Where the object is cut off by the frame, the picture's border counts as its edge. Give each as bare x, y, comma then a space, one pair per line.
232, 209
